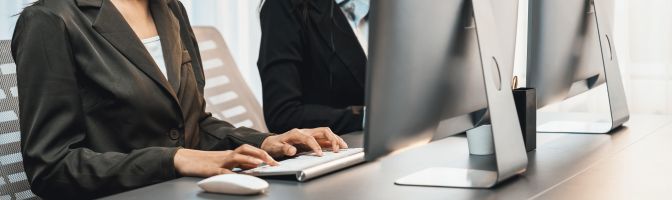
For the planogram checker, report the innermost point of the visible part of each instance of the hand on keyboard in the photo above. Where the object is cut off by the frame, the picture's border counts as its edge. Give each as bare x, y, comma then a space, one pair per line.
313, 139
305, 160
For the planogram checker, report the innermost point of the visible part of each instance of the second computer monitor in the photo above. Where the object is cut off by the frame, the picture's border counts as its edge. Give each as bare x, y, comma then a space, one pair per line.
570, 51
435, 61
424, 66
564, 53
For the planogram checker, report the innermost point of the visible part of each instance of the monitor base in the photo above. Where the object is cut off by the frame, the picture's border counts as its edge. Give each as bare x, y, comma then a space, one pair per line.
575, 127
576, 122
450, 177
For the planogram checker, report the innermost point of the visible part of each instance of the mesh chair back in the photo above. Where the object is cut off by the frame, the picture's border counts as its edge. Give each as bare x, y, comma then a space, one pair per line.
13, 181
227, 95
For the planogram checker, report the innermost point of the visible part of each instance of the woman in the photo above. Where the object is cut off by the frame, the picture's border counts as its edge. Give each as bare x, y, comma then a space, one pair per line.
111, 99
312, 63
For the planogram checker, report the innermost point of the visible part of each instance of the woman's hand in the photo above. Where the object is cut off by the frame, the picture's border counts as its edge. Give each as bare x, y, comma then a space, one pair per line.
287, 144
197, 163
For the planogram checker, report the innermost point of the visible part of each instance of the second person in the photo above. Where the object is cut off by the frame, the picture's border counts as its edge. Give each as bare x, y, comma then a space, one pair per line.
312, 63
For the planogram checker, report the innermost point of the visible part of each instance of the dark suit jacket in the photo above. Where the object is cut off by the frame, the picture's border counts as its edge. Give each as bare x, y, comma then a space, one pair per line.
97, 115
312, 67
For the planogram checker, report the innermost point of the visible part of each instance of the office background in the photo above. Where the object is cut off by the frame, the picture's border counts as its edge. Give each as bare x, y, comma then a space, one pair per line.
643, 35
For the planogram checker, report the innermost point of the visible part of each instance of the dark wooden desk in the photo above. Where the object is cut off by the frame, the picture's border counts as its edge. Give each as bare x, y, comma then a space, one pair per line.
630, 163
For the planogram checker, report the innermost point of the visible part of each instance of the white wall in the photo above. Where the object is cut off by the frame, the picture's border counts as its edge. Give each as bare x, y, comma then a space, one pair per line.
643, 40
8, 10
646, 26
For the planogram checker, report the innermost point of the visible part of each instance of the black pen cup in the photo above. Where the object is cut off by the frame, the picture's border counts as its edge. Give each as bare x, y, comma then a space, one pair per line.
526, 105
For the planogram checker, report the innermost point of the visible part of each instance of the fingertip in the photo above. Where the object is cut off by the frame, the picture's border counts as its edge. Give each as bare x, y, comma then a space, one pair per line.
343, 143
289, 150
274, 162
222, 171
318, 152
270, 161
314, 145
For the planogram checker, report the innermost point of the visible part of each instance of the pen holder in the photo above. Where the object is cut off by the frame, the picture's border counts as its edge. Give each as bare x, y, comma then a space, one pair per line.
526, 105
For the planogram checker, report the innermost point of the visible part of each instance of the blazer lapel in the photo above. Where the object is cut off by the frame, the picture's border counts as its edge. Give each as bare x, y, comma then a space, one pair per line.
169, 31
113, 27
345, 42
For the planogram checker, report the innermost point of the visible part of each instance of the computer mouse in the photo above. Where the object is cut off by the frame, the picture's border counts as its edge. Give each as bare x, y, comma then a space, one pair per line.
238, 184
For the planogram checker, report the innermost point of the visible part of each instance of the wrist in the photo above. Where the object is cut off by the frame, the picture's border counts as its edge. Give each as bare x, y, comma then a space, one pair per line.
267, 141
176, 160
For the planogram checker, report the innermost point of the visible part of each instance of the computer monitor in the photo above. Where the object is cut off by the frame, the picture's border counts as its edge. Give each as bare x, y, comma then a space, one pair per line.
435, 61
571, 51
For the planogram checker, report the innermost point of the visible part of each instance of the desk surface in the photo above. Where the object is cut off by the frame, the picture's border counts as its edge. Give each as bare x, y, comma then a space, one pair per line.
621, 165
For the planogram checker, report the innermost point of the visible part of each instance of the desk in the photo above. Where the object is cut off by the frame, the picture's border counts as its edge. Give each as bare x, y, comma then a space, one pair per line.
564, 166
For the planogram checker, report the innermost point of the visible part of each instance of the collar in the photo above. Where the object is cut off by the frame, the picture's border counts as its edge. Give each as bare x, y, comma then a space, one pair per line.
110, 24
355, 10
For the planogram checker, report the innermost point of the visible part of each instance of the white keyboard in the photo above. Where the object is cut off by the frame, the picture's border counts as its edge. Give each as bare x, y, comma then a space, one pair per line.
303, 161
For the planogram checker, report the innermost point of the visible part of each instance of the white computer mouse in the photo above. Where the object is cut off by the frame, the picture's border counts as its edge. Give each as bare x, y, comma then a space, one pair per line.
238, 184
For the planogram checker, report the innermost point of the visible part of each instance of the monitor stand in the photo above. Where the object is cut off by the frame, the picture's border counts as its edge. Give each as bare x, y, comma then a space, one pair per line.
509, 150
618, 106
567, 126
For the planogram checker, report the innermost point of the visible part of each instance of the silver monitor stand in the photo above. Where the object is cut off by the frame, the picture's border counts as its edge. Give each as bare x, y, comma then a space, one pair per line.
509, 150
618, 106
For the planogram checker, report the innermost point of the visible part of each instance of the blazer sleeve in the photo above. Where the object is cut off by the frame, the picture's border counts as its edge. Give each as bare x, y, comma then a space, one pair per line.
218, 134
51, 119
280, 58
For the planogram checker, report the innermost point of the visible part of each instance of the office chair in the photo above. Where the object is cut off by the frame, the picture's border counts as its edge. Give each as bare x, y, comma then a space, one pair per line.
227, 95
13, 180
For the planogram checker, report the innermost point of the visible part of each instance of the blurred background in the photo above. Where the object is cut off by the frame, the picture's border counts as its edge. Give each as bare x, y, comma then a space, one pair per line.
643, 39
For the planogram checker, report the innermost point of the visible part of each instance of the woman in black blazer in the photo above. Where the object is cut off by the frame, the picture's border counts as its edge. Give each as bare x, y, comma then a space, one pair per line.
102, 112
312, 66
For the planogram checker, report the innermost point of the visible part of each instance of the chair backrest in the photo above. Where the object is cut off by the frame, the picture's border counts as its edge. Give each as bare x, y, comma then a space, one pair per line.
13, 181
227, 95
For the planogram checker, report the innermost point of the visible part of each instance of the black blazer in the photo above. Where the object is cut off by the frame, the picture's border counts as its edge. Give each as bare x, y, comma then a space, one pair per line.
312, 67
97, 116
